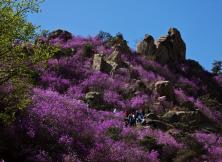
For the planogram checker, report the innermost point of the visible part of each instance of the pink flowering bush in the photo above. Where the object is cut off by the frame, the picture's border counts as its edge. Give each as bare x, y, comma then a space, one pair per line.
212, 143
61, 125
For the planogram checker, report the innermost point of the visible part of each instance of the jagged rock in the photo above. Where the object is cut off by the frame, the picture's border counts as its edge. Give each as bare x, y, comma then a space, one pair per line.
114, 60
139, 85
169, 49
182, 116
62, 34
170, 117
152, 116
147, 46
109, 64
100, 64
164, 88
114, 57
120, 44
162, 52
93, 98
178, 45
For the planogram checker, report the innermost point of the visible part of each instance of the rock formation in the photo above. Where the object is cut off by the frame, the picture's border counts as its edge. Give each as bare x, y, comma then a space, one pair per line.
147, 46
164, 88
100, 64
62, 34
118, 43
109, 64
168, 49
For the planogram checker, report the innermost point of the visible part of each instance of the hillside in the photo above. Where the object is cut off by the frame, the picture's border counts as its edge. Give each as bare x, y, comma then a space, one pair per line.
83, 96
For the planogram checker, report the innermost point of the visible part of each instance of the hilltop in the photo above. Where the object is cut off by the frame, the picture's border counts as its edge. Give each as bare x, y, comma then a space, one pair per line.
81, 98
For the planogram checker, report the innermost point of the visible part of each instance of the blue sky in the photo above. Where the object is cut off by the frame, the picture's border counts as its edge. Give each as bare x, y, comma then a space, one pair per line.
199, 21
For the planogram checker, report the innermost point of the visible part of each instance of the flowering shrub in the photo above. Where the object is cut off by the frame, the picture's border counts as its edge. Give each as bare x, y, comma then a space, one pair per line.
212, 143
72, 126
148, 75
188, 85
113, 98
212, 114
61, 125
139, 101
182, 97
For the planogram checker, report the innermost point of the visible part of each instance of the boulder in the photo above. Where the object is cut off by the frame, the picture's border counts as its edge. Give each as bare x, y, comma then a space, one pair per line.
182, 116
147, 46
151, 116
114, 60
109, 64
100, 64
62, 34
115, 56
93, 98
171, 117
164, 88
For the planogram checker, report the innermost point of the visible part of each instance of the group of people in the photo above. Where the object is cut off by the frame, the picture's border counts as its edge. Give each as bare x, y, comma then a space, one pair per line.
134, 117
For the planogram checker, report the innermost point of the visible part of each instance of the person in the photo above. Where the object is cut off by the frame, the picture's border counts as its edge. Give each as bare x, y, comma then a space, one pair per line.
132, 119
114, 110
139, 117
126, 119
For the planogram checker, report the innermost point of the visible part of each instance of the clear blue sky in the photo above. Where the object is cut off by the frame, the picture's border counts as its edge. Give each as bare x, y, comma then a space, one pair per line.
199, 21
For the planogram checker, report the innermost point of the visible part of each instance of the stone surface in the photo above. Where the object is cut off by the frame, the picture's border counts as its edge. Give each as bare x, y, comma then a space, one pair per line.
114, 60
93, 98
147, 46
178, 45
62, 34
100, 64
151, 116
107, 64
164, 88
120, 44
182, 116
169, 49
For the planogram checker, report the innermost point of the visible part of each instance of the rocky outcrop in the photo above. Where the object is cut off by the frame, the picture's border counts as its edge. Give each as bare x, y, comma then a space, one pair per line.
182, 116
118, 43
108, 64
62, 34
114, 60
164, 88
99, 64
147, 46
167, 50
93, 98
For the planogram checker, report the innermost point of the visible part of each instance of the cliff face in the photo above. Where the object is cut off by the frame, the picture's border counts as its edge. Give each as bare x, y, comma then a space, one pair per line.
86, 90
